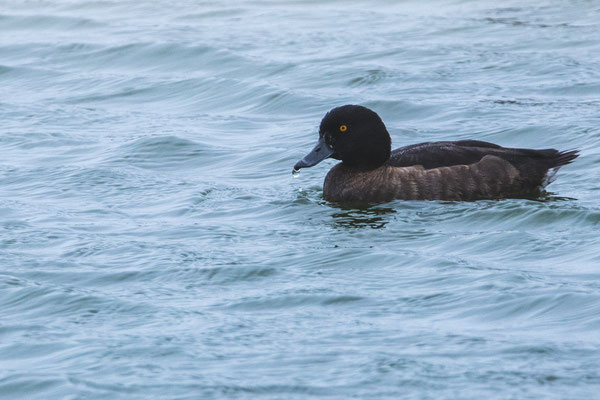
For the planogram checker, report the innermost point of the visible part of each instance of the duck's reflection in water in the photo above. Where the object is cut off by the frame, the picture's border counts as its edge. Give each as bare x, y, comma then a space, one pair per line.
375, 217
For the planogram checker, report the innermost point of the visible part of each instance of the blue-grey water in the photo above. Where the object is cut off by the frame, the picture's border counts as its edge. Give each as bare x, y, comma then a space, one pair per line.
154, 244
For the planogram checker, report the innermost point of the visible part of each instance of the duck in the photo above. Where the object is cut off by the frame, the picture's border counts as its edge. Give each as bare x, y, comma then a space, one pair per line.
463, 170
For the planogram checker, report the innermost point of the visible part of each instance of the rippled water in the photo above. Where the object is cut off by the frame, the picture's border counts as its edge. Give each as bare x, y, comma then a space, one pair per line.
154, 244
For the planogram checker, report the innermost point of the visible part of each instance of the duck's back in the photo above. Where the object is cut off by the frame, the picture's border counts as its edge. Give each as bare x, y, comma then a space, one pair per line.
461, 170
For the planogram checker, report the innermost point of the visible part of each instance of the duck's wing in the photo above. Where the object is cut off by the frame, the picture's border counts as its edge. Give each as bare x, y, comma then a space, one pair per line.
465, 152
535, 168
441, 154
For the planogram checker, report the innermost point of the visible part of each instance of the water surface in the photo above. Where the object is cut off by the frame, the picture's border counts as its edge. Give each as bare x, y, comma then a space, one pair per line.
154, 244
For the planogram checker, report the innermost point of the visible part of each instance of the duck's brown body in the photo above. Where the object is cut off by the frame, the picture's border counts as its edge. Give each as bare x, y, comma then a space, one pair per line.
490, 178
505, 173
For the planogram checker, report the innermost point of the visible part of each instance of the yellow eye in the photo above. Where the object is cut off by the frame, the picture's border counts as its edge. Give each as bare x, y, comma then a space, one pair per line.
343, 128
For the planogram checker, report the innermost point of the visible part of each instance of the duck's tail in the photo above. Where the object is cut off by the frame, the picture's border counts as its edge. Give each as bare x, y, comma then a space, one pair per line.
565, 157
560, 158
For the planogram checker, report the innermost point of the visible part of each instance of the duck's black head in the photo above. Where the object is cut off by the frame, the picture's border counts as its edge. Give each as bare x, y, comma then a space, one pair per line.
353, 134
